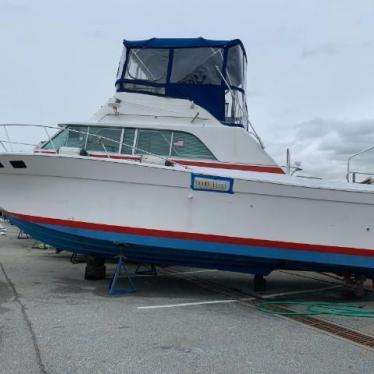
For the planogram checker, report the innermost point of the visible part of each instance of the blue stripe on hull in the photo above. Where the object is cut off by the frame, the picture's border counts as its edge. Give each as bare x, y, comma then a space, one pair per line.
233, 257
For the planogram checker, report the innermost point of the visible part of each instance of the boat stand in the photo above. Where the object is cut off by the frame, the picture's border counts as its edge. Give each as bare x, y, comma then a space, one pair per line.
142, 269
259, 283
76, 258
22, 235
355, 283
113, 290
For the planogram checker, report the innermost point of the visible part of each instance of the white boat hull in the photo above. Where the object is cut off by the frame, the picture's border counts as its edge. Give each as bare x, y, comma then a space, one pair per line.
153, 214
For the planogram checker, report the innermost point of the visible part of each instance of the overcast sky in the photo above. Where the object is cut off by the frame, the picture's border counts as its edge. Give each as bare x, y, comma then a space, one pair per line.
310, 64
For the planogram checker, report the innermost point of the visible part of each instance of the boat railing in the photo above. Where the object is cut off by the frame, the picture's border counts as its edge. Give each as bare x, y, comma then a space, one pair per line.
351, 175
361, 177
7, 144
248, 124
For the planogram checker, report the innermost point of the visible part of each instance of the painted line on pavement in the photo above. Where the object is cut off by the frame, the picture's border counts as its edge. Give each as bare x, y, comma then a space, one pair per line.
300, 292
227, 301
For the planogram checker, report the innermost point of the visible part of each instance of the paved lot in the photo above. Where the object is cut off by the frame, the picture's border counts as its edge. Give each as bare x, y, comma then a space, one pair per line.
52, 321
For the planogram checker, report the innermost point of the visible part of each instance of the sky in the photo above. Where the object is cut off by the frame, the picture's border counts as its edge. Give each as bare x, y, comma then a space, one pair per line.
310, 66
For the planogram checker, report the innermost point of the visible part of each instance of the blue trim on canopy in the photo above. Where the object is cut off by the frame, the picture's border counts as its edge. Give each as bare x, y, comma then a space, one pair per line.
181, 43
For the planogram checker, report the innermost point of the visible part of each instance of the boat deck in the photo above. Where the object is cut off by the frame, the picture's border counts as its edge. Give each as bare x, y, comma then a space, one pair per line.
183, 320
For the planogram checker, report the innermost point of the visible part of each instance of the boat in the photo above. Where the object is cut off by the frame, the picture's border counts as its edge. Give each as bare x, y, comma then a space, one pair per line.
170, 171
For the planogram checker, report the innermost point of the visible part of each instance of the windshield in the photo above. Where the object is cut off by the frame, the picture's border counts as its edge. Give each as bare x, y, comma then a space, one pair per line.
131, 141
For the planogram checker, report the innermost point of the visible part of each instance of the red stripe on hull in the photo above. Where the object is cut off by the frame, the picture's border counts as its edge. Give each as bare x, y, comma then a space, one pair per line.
196, 236
45, 152
226, 165
115, 157
205, 164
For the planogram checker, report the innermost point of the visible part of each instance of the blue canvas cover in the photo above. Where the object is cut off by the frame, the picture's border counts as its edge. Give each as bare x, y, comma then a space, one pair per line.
180, 43
211, 73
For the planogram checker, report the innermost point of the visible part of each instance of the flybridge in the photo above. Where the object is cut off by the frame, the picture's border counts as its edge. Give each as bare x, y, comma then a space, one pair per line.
211, 73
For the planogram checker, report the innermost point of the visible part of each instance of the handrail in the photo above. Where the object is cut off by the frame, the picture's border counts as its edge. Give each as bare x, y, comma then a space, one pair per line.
249, 123
359, 173
353, 156
17, 143
27, 125
11, 142
7, 136
84, 133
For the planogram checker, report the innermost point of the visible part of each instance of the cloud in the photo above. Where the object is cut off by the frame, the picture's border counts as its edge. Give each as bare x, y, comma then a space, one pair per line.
323, 146
327, 49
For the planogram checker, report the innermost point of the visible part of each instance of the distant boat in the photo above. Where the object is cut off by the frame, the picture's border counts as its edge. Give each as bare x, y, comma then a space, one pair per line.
170, 171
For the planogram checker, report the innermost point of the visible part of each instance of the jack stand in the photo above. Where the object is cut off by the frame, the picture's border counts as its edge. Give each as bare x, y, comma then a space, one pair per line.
112, 285
22, 235
76, 258
355, 283
95, 268
259, 283
152, 270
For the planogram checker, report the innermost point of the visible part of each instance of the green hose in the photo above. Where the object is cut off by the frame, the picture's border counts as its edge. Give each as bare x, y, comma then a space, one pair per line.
314, 308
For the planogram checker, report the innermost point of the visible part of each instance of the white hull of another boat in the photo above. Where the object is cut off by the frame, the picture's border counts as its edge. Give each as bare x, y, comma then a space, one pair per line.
248, 222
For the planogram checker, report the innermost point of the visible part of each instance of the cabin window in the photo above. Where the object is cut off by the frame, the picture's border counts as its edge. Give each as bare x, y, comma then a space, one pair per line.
235, 107
77, 136
19, 164
189, 146
58, 140
166, 143
197, 66
235, 71
121, 63
72, 136
149, 65
128, 141
155, 142
144, 88
104, 139
171, 143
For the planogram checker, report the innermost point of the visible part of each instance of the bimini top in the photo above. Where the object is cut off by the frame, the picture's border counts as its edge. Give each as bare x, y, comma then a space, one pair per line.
211, 73
181, 43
